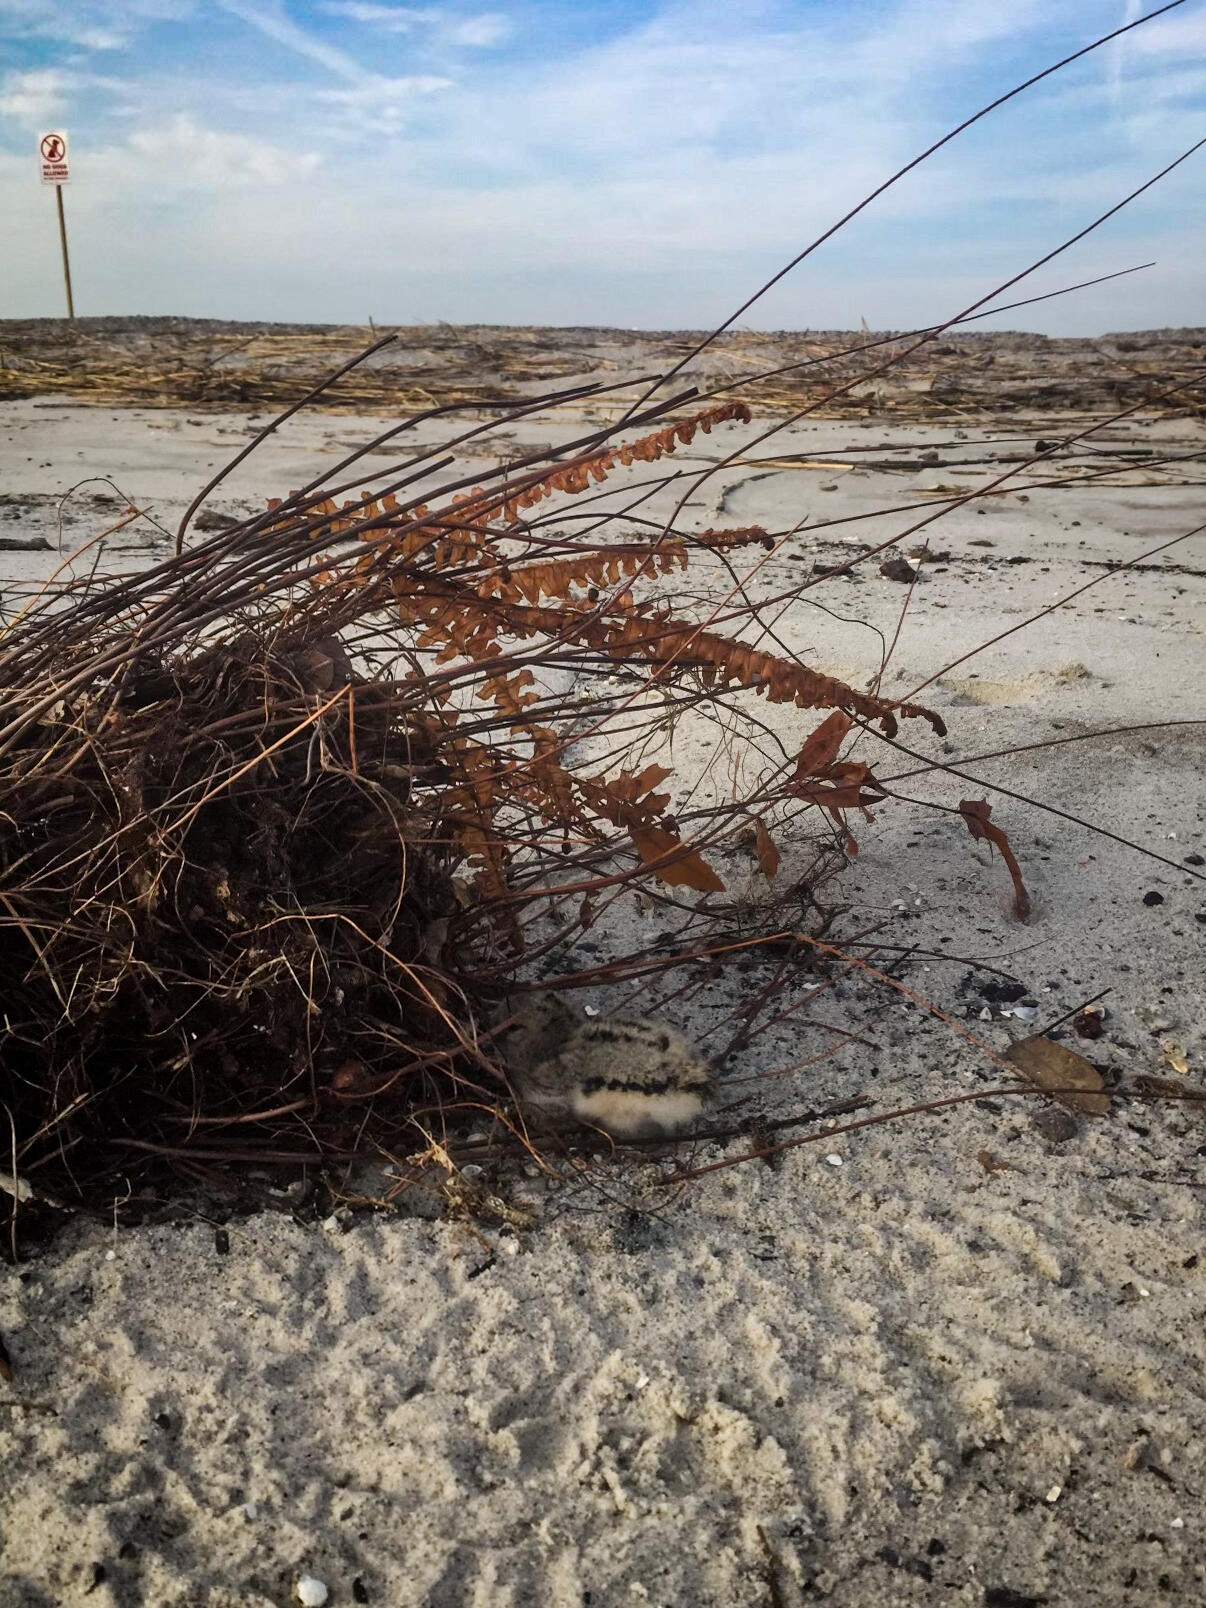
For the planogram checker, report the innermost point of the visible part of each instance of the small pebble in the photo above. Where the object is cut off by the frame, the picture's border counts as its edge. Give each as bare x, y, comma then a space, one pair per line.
110, 1256
1153, 898
1055, 1126
251, 1510
1176, 1524
1054, 1494
834, 1159
311, 1593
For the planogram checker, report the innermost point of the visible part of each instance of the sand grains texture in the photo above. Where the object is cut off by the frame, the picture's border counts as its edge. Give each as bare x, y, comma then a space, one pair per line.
664, 1408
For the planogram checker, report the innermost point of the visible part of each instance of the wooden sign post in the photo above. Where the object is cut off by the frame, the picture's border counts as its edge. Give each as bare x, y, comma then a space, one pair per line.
52, 157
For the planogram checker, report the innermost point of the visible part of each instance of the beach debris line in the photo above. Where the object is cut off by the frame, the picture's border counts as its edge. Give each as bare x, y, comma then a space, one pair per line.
172, 362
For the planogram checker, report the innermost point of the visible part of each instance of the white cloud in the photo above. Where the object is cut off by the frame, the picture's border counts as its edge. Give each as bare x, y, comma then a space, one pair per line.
373, 102
270, 19
380, 106
36, 99
395, 19
1181, 34
482, 32
183, 153
87, 24
478, 32
87, 37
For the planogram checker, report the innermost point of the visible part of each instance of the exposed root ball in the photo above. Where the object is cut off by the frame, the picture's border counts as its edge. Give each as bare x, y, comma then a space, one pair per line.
232, 909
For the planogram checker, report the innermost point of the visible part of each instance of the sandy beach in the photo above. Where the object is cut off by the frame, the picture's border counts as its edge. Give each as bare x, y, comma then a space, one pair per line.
956, 1358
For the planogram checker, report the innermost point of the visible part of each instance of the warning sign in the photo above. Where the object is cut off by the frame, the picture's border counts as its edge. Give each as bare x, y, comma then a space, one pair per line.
52, 157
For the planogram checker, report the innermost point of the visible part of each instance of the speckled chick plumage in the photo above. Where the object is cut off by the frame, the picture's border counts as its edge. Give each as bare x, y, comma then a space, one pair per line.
633, 1078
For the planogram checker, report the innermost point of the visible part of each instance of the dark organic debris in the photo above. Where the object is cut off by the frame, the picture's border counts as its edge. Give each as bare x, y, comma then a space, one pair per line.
1002, 991
209, 519
1088, 1024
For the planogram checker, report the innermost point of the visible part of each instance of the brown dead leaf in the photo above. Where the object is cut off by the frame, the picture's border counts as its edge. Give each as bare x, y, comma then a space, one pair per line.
1070, 1080
847, 785
654, 843
821, 746
323, 665
976, 812
991, 1164
652, 776
764, 847
349, 1078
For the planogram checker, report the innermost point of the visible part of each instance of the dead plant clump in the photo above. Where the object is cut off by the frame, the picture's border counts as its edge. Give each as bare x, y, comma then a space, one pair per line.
287, 817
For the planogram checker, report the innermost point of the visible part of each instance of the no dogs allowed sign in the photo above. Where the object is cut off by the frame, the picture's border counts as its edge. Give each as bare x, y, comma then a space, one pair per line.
52, 155
52, 160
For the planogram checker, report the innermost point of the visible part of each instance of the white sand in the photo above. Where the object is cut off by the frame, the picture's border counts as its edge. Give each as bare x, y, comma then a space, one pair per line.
901, 1379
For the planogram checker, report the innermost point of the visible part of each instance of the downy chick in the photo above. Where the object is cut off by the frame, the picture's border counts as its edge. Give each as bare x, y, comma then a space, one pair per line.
633, 1078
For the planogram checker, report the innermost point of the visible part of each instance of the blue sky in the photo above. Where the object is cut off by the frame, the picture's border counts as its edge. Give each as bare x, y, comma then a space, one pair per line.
572, 162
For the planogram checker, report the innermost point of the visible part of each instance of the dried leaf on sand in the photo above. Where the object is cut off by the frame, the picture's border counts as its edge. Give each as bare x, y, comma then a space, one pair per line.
1071, 1081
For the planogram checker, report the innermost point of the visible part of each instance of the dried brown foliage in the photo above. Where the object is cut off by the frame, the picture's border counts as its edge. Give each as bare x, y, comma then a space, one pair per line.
282, 815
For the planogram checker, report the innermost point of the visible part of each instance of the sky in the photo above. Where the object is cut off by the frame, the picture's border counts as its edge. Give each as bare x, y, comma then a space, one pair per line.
630, 163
